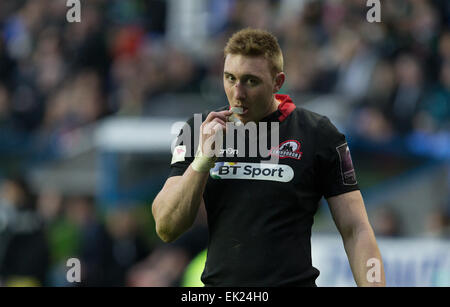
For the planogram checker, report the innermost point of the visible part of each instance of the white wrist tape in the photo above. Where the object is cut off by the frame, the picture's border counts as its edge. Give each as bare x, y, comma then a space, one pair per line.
203, 163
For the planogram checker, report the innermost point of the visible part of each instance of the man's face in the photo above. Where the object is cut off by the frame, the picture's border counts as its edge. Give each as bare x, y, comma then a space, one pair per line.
249, 84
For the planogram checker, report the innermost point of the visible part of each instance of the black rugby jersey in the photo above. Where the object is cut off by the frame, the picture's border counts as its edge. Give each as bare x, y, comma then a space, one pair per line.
260, 214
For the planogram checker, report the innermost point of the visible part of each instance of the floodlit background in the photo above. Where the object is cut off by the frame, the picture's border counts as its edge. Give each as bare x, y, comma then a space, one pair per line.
87, 112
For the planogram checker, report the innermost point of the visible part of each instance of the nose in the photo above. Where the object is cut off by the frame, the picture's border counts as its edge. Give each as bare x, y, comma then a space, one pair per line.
239, 91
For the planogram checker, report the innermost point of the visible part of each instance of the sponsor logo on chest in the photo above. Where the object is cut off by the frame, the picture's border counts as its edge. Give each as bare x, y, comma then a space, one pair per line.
252, 171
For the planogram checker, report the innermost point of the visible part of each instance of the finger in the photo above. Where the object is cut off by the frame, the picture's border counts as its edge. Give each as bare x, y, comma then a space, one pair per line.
219, 120
210, 127
219, 126
222, 115
214, 129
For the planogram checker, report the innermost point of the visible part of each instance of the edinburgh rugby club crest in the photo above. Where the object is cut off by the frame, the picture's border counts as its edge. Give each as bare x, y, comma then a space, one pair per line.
287, 149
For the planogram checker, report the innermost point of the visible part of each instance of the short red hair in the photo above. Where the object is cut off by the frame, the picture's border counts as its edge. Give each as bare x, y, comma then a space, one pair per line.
255, 42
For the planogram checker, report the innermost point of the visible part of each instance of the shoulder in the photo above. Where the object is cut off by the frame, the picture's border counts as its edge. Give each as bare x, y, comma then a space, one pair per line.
312, 120
319, 127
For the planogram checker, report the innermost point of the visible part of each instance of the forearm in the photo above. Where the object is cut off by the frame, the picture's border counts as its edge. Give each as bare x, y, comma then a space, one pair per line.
176, 208
361, 246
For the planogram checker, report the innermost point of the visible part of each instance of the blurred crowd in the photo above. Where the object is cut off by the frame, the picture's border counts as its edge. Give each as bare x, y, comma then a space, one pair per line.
56, 77
39, 233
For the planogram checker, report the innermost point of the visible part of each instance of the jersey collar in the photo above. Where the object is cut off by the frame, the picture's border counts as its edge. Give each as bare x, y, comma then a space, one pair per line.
286, 106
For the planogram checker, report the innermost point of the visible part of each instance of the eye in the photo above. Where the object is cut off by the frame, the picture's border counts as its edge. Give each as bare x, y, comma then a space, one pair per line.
252, 82
230, 78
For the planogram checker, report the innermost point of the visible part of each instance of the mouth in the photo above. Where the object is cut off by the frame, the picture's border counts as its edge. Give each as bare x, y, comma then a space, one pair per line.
241, 110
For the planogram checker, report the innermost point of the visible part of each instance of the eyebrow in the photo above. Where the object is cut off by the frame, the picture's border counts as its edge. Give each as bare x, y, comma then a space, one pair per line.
245, 76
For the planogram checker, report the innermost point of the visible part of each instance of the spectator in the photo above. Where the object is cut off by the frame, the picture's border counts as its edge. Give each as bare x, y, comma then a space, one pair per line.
127, 245
94, 249
24, 254
386, 222
165, 266
409, 92
437, 224
372, 114
435, 111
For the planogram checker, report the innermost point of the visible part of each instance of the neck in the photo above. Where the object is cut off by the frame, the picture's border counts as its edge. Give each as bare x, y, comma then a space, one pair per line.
272, 108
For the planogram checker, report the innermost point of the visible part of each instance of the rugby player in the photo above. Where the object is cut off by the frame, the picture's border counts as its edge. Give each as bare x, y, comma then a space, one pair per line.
260, 214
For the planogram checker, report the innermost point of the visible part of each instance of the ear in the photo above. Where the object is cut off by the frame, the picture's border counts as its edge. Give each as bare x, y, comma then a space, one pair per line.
279, 81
